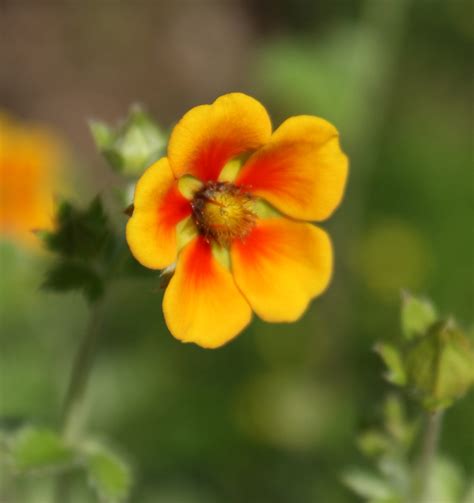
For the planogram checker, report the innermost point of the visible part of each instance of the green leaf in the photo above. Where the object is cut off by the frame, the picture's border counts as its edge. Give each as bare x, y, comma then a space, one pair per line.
417, 315
79, 233
447, 481
398, 474
86, 247
367, 484
66, 276
393, 360
133, 145
109, 474
38, 448
440, 366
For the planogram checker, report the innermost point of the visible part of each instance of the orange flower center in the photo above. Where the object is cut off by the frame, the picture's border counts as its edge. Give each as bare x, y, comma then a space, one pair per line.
223, 212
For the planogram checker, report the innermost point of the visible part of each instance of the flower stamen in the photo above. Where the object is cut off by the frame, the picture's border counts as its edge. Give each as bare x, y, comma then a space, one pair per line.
223, 212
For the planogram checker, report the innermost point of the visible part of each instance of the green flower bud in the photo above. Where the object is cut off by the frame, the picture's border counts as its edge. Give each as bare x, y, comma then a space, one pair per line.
133, 146
440, 365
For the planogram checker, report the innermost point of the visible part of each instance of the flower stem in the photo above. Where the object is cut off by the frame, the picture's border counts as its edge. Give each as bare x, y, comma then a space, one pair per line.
428, 456
73, 405
73, 410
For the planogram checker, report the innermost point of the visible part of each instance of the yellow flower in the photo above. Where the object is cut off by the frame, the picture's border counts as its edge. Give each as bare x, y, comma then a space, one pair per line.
29, 163
229, 205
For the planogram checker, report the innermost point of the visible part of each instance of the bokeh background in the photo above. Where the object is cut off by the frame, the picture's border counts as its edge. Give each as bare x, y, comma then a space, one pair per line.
273, 416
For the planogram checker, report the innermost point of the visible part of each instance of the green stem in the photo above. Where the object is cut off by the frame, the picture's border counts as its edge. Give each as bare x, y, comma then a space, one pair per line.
73, 410
74, 402
428, 456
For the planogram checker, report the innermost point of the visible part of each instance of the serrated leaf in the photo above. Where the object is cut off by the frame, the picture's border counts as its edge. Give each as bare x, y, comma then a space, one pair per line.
391, 356
417, 315
79, 233
367, 484
86, 247
69, 275
39, 448
109, 474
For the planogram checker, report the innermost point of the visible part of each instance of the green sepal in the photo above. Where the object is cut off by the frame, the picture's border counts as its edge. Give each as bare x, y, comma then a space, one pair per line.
392, 358
264, 210
417, 315
188, 185
133, 145
231, 169
221, 254
103, 135
186, 230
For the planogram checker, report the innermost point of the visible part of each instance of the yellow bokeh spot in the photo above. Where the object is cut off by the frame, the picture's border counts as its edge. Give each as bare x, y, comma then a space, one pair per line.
284, 410
392, 256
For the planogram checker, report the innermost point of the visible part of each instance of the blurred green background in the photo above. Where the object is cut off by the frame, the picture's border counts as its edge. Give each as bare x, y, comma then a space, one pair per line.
273, 416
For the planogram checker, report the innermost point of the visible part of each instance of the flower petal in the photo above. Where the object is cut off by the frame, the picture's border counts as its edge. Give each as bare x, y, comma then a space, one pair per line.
301, 170
202, 303
158, 208
281, 266
210, 135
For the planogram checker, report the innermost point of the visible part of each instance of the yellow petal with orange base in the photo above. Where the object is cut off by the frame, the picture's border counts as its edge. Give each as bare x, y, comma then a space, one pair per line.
202, 303
281, 266
301, 170
210, 135
158, 208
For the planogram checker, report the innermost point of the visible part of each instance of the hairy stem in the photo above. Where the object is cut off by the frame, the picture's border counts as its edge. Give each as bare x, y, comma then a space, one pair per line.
428, 456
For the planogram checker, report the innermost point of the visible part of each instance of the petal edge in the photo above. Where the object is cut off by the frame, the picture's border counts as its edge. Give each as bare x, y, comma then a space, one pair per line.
158, 208
302, 170
208, 136
202, 304
281, 266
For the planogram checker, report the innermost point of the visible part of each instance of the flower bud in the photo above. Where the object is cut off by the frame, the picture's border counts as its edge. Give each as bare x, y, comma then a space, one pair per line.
440, 365
132, 146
